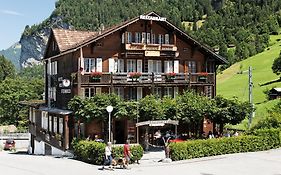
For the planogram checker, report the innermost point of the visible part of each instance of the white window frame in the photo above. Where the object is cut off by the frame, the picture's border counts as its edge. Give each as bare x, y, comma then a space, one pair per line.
131, 65
50, 124
120, 65
148, 38
168, 66
119, 91
129, 37
90, 65
61, 125
167, 39
44, 120
192, 67
123, 38
160, 39
89, 92
153, 38
143, 37
155, 66
168, 91
55, 124
138, 37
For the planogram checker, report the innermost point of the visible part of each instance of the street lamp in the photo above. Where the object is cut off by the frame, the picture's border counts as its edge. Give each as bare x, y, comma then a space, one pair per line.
109, 109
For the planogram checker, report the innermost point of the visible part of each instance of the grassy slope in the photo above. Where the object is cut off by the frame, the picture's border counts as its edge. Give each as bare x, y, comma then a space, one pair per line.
230, 84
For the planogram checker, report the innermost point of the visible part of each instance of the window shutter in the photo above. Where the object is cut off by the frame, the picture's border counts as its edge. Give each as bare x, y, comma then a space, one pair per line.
150, 66
111, 65
139, 65
176, 66
139, 93
176, 91
82, 63
99, 64
98, 90
167, 39
83, 92
166, 66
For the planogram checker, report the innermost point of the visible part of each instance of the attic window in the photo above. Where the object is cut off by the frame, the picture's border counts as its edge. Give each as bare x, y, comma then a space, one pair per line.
99, 44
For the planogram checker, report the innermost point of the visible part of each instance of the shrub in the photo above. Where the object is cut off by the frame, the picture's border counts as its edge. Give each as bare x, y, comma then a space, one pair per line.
93, 152
262, 140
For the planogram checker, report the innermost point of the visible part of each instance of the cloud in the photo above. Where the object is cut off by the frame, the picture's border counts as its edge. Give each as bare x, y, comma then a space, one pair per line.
10, 12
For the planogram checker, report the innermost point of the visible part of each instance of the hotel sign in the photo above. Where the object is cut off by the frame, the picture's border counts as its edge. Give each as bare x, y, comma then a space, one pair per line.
152, 18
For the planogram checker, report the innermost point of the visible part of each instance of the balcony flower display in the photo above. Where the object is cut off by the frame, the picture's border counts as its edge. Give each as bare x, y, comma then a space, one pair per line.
134, 75
170, 76
96, 76
202, 77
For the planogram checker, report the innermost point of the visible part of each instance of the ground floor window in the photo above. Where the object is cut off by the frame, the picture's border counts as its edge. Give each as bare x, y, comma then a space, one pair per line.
91, 92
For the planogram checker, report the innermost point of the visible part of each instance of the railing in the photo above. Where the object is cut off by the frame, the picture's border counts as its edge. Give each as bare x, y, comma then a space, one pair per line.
149, 78
151, 47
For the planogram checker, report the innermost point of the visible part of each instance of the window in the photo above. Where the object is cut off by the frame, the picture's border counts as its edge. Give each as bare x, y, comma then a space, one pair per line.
54, 68
143, 39
119, 91
209, 91
154, 66
44, 120
89, 92
50, 124
55, 124
120, 65
139, 93
131, 65
137, 37
129, 37
158, 92
191, 66
160, 39
148, 38
168, 66
132, 93
52, 93
167, 39
153, 39
61, 125
89, 65
168, 91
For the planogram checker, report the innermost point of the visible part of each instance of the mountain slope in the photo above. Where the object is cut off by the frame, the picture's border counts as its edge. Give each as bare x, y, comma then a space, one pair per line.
13, 54
232, 83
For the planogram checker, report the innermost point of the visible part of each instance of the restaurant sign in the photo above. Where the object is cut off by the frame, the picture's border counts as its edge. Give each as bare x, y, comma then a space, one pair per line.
152, 18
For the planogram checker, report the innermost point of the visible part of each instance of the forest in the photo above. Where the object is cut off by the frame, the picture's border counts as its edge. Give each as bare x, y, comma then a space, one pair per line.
238, 28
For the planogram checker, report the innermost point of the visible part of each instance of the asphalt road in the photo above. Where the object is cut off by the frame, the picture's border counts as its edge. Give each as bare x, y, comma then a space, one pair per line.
259, 163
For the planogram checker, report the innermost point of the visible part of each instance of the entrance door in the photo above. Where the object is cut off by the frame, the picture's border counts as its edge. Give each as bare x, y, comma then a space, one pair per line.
119, 132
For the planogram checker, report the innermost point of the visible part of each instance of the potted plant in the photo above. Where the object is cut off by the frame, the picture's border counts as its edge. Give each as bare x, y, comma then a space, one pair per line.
96, 76
135, 75
170, 76
202, 76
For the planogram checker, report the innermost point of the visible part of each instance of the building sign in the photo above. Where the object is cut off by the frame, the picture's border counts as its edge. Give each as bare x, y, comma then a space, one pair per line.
152, 18
65, 91
152, 53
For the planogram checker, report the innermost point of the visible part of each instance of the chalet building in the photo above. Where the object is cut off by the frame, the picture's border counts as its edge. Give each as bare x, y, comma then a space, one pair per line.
145, 55
274, 93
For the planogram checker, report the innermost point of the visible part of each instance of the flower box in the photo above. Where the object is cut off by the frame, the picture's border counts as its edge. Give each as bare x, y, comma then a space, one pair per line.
170, 76
96, 76
202, 77
134, 75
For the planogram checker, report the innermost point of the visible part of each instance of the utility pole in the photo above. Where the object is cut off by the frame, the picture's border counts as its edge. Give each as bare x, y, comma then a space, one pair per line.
250, 96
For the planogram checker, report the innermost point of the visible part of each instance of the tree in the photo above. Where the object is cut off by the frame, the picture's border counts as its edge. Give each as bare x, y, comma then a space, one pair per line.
7, 69
276, 66
30, 72
150, 108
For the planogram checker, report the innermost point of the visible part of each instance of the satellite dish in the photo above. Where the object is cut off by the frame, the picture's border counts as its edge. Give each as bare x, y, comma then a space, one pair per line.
66, 83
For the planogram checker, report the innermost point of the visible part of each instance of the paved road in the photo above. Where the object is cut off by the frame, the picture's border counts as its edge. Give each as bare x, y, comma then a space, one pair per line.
260, 163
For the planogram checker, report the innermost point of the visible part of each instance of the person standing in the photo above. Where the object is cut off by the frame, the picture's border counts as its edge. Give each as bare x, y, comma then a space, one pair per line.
108, 155
127, 154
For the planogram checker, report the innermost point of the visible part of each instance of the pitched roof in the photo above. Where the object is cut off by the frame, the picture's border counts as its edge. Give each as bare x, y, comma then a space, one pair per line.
94, 36
67, 39
277, 89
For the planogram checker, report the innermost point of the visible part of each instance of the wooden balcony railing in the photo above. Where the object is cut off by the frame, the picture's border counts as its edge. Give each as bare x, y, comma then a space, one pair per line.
149, 78
151, 47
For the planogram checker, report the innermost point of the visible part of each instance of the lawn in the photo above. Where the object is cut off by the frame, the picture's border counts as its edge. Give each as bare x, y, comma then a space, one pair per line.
230, 83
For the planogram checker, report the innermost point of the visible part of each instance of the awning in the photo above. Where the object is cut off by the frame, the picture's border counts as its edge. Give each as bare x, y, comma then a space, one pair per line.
55, 111
157, 123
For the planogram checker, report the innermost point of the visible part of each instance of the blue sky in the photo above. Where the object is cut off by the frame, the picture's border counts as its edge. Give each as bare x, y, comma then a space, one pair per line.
16, 14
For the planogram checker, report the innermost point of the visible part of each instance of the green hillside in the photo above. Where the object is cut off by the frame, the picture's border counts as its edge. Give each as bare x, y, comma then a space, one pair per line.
234, 80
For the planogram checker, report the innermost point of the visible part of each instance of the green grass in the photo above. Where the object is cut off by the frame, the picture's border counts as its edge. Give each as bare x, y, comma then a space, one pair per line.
230, 83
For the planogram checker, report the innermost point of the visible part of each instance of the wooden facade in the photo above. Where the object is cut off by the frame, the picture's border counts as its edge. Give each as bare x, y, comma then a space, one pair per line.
166, 59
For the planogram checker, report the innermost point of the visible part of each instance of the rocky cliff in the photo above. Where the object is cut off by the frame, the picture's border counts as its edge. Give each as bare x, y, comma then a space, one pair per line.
33, 44
13, 54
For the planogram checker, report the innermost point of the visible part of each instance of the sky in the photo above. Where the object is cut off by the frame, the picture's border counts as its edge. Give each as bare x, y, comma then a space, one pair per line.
16, 14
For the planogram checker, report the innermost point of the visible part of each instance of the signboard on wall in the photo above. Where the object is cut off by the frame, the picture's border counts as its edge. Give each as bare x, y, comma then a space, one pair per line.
152, 18
152, 53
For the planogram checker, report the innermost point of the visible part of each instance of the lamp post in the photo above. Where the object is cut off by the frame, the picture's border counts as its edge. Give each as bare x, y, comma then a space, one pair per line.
109, 109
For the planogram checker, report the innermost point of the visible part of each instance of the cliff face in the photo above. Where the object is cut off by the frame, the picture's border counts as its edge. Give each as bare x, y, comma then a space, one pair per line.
33, 45
13, 54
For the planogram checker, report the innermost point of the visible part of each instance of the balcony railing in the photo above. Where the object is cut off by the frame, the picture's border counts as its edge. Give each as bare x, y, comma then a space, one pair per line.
149, 78
151, 47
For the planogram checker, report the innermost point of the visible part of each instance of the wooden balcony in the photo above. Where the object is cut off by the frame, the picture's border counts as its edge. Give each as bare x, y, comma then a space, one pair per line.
146, 79
150, 47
